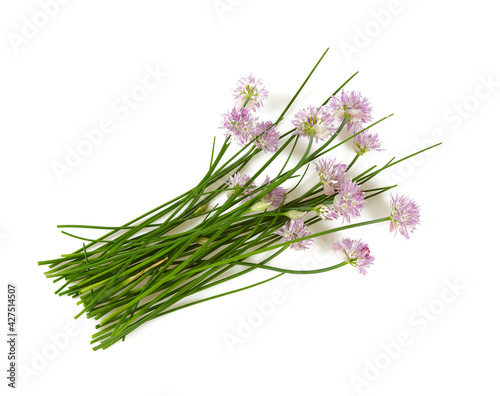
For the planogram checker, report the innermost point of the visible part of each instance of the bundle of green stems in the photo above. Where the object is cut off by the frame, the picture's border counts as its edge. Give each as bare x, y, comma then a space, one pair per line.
148, 268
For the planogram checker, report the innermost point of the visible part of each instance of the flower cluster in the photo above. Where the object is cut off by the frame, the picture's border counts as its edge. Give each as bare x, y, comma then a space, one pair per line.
241, 126
353, 106
354, 252
249, 93
331, 174
349, 200
275, 196
405, 215
349, 197
317, 122
357, 109
323, 121
266, 137
295, 229
239, 180
366, 141
326, 212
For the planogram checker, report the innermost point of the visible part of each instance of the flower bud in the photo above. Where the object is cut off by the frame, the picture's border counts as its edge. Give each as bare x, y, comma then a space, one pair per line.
260, 206
202, 209
295, 214
201, 240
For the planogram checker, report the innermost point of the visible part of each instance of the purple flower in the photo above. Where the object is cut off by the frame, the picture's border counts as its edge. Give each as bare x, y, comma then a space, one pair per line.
295, 229
405, 215
249, 89
354, 252
326, 213
353, 106
239, 125
314, 121
267, 137
331, 174
275, 196
366, 141
239, 180
349, 201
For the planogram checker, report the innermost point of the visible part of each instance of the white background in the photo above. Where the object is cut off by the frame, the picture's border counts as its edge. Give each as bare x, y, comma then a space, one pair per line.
425, 61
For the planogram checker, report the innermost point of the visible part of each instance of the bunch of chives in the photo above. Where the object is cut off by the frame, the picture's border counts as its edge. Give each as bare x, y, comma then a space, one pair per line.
148, 267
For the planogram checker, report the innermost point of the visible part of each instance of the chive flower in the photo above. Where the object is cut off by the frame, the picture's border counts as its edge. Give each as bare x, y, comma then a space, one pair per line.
353, 106
331, 174
326, 212
239, 180
239, 125
250, 91
295, 229
348, 203
275, 196
405, 215
314, 121
266, 137
365, 142
354, 252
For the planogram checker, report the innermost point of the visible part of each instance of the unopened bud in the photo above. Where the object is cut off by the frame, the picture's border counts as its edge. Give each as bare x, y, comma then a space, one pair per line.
202, 209
201, 240
295, 214
260, 206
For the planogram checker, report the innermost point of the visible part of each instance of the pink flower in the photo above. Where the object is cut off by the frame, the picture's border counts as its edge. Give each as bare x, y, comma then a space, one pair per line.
314, 121
267, 137
354, 252
331, 174
240, 180
349, 201
251, 91
366, 141
239, 125
295, 229
326, 213
275, 196
405, 215
353, 106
